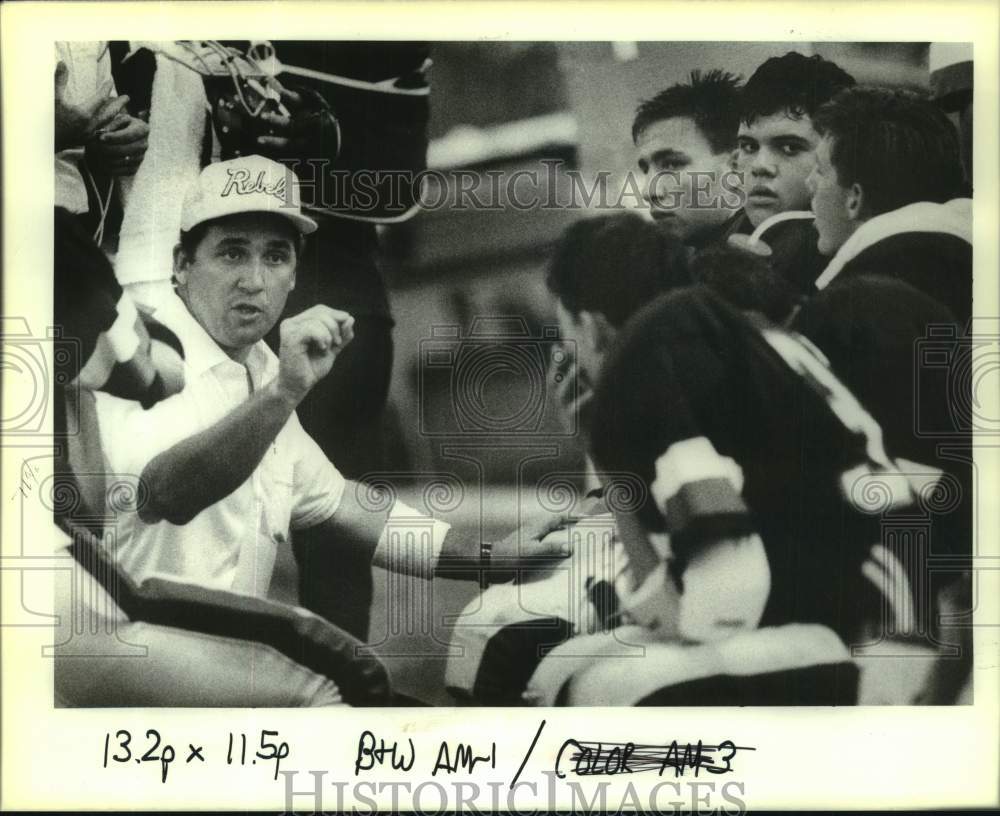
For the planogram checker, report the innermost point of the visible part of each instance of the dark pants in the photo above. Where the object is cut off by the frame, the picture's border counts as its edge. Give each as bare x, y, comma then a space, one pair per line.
344, 412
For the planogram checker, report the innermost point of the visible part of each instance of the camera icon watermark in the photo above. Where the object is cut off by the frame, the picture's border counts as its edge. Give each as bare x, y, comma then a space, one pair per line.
30, 365
73, 560
964, 366
408, 624
922, 558
496, 378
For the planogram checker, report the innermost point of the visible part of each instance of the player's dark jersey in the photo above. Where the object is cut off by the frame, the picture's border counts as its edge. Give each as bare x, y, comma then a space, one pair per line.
794, 253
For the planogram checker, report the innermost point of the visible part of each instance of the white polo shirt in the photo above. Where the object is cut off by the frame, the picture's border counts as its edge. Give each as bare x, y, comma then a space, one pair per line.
232, 544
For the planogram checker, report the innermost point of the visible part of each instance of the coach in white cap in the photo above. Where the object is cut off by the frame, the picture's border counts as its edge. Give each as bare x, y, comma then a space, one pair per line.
226, 469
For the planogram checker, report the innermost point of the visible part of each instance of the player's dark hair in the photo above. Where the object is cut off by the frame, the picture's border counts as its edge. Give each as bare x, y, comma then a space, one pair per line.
615, 264
898, 145
746, 281
710, 99
793, 83
192, 238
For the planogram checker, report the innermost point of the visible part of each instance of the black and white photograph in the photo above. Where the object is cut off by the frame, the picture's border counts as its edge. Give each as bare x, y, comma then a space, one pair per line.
454, 374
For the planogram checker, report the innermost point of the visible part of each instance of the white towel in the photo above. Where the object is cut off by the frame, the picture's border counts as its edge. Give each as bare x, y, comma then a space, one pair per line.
951, 218
153, 198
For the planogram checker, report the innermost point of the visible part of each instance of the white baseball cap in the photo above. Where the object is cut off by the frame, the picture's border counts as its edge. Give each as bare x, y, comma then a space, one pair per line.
245, 184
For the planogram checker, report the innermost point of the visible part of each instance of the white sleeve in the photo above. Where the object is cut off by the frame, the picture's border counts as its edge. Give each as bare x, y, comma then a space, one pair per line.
411, 542
318, 485
132, 436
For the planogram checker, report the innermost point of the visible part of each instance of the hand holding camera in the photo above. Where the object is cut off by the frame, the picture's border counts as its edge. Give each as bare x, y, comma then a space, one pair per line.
115, 141
118, 146
79, 124
303, 126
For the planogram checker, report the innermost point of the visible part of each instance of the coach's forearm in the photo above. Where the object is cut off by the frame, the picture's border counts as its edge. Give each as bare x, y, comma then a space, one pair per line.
205, 468
403, 540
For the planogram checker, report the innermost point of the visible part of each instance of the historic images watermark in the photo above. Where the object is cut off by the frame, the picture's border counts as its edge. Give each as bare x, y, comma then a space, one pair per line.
552, 185
315, 792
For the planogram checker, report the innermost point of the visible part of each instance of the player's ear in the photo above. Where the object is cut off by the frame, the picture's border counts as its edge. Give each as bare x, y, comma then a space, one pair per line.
854, 202
585, 321
598, 330
181, 265
300, 247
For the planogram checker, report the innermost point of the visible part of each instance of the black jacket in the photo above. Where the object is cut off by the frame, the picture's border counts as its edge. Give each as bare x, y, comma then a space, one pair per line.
794, 255
926, 245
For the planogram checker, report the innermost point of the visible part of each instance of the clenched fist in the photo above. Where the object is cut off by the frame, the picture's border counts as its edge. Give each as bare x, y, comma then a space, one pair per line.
310, 342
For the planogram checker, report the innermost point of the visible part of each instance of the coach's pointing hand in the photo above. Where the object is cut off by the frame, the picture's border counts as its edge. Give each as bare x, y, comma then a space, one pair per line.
310, 342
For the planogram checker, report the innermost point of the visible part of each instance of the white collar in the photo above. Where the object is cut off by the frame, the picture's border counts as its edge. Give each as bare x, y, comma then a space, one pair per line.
951, 218
201, 352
